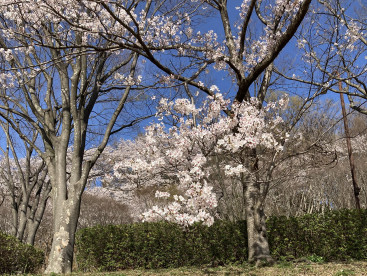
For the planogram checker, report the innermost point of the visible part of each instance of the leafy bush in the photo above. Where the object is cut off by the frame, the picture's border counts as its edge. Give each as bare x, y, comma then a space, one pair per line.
162, 244
18, 257
334, 235
337, 235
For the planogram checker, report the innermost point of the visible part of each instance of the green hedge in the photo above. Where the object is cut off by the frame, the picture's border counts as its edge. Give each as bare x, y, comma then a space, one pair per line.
18, 257
335, 235
153, 245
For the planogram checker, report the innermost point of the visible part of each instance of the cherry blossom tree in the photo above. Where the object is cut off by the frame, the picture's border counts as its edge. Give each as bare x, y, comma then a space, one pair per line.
182, 156
252, 41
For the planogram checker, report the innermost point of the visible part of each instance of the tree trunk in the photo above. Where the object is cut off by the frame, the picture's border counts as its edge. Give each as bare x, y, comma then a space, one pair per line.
258, 246
23, 216
37, 213
66, 198
14, 225
62, 250
32, 227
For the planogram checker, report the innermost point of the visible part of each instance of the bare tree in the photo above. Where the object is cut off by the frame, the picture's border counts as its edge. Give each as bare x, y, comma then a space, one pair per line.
27, 185
68, 96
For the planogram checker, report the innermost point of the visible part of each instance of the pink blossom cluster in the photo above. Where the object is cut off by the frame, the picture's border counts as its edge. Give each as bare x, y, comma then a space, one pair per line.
259, 48
180, 155
185, 210
128, 80
353, 34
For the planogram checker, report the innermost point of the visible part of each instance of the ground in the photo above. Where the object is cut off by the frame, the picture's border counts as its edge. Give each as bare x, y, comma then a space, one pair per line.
283, 268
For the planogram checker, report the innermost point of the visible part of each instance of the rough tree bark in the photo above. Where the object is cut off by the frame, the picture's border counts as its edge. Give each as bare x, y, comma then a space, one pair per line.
258, 246
67, 190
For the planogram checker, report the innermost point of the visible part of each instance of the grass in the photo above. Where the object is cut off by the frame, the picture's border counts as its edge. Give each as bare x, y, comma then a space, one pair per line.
283, 268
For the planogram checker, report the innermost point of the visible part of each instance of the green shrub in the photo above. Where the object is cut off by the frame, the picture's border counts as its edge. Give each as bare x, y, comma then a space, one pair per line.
162, 244
337, 235
18, 257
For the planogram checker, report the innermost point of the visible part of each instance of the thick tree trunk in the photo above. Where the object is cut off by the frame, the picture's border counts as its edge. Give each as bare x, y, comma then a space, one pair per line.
258, 246
66, 198
62, 250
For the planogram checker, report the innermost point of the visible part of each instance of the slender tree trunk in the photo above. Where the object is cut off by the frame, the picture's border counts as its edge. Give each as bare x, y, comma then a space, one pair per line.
258, 246
32, 227
36, 216
356, 189
23, 217
14, 226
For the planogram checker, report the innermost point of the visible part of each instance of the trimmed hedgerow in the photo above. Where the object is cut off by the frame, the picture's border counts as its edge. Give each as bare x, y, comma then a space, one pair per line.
336, 235
18, 257
155, 245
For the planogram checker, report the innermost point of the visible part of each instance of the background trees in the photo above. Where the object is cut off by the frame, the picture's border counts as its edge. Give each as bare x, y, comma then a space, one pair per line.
333, 46
26, 187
